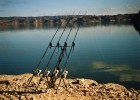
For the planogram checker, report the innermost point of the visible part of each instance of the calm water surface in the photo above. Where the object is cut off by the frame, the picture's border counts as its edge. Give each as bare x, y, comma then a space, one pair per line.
106, 53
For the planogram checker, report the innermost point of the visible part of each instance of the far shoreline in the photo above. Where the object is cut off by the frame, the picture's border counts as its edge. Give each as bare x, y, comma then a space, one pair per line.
5, 21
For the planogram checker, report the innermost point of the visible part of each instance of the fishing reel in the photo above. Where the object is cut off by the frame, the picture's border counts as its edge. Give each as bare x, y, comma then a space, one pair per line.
64, 74
37, 72
46, 73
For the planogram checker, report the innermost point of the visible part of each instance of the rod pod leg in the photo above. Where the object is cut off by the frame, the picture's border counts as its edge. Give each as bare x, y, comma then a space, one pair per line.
58, 85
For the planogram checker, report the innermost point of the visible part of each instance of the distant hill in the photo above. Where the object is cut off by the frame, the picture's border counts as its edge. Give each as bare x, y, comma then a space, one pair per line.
4, 21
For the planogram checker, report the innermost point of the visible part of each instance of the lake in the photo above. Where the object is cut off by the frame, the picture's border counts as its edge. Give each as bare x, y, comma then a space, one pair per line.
105, 53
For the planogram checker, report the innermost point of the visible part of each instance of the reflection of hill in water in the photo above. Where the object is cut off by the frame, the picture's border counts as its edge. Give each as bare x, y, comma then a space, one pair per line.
49, 26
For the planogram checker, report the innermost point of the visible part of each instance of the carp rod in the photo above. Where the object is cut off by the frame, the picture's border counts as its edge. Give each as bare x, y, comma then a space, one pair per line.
65, 45
72, 46
62, 52
65, 65
49, 45
57, 45
40, 61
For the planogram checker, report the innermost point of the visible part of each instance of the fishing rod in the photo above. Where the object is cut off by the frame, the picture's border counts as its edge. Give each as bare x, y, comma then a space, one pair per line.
53, 78
72, 46
64, 48
49, 45
57, 45
71, 28
61, 73
65, 45
65, 65
73, 43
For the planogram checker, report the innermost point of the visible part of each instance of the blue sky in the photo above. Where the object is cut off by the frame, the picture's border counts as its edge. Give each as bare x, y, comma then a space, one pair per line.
64, 7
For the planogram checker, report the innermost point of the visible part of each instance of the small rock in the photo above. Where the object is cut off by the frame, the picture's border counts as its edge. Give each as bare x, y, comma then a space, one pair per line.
131, 89
94, 83
65, 99
85, 90
42, 90
86, 86
81, 81
136, 92
138, 96
91, 94
48, 91
86, 94
134, 96
60, 89
70, 90
122, 94
22, 98
129, 94
16, 79
112, 96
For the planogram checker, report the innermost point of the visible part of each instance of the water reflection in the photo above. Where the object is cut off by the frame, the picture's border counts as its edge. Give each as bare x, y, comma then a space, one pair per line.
124, 72
54, 25
109, 67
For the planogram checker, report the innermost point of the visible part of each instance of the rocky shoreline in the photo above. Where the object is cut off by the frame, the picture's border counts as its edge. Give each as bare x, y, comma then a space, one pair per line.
13, 87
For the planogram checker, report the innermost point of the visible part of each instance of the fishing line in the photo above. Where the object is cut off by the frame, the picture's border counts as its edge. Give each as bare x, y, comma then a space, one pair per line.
30, 79
64, 47
72, 46
53, 52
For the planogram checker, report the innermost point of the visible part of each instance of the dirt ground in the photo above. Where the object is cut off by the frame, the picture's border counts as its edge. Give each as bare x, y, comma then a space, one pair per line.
14, 87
